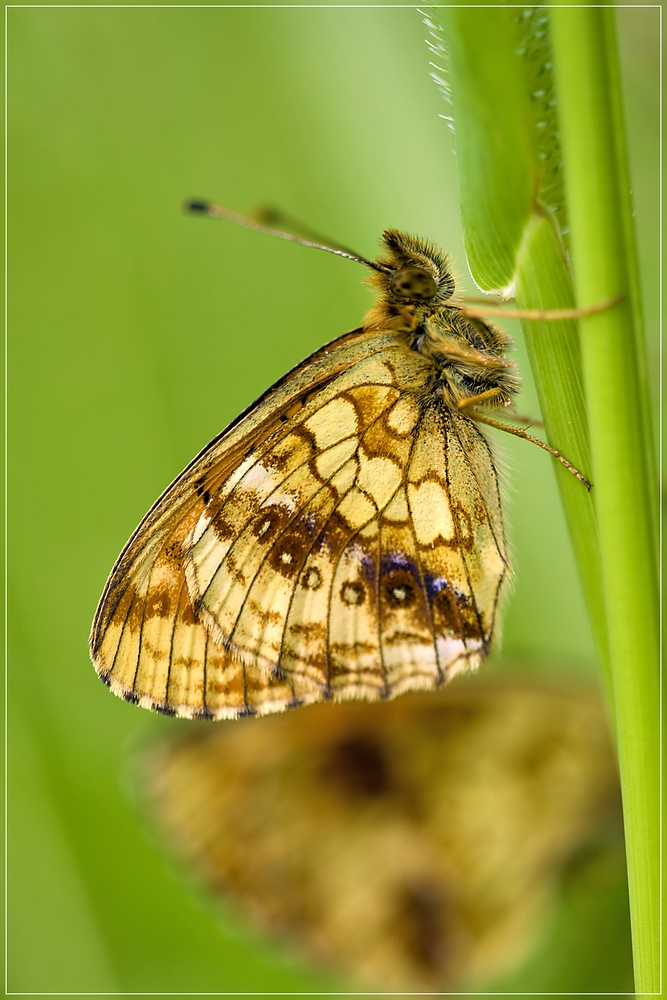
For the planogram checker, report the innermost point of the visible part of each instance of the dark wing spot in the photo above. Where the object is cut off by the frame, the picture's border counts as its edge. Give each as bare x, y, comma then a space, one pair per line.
312, 578
359, 767
454, 613
288, 555
204, 714
352, 592
199, 485
158, 604
187, 614
466, 531
173, 552
135, 617
400, 589
268, 522
246, 712
163, 709
223, 529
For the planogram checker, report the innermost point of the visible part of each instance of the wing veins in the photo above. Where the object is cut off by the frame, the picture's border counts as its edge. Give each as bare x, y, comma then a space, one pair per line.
340, 556
291, 599
267, 502
463, 558
160, 520
481, 493
293, 517
378, 598
120, 638
324, 486
141, 627
282, 432
427, 599
473, 470
173, 634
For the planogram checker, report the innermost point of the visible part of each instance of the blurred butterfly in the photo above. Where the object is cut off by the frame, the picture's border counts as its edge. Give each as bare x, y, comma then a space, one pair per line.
343, 537
416, 846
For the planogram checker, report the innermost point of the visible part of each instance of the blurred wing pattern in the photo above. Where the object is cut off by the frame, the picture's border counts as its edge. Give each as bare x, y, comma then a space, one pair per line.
414, 848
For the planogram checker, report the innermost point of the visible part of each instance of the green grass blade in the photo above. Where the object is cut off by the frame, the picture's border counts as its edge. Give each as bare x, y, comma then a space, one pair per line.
543, 282
632, 262
506, 146
587, 81
495, 189
496, 57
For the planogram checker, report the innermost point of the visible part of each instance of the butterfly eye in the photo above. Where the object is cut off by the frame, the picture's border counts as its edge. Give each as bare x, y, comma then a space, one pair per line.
411, 282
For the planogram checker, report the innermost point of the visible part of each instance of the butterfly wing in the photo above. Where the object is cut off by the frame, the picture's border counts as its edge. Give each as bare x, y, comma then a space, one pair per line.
412, 599
362, 553
342, 538
412, 847
147, 641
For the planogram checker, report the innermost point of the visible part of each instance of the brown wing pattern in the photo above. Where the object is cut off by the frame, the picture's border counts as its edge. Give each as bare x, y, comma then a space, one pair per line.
355, 556
147, 641
342, 540
411, 604
161, 657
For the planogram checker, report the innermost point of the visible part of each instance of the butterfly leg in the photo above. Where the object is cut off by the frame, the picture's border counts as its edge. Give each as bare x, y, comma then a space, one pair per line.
482, 397
488, 396
522, 418
542, 315
408, 318
484, 300
467, 406
453, 350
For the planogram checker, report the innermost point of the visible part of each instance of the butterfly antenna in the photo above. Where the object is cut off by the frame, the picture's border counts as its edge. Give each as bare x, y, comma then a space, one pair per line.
220, 212
274, 217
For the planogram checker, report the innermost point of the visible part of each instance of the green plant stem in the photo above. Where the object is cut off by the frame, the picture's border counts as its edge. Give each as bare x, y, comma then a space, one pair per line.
622, 165
588, 101
510, 238
543, 281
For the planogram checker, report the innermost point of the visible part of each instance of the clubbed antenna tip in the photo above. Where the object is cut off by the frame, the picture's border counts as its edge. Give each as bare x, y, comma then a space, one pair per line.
197, 205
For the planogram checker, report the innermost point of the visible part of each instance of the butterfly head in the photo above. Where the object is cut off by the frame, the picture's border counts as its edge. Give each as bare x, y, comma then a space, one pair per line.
414, 278
414, 271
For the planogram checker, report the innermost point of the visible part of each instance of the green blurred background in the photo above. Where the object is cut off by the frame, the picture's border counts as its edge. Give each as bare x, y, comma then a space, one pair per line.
136, 333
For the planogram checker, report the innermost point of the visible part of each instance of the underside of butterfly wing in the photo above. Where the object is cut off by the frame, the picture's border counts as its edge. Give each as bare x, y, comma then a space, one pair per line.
161, 657
363, 552
343, 539
148, 642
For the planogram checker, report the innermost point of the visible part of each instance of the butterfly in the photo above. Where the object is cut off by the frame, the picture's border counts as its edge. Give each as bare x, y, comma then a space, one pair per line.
410, 846
343, 537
